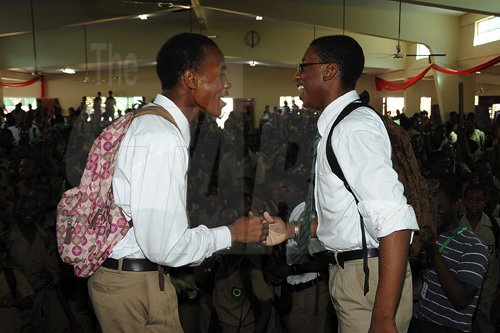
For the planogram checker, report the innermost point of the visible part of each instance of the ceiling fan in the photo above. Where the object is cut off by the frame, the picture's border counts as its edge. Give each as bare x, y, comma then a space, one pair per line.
36, 70
399, 54
170, 5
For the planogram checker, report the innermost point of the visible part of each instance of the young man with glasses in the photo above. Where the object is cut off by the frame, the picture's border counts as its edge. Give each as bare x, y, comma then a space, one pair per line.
326, 81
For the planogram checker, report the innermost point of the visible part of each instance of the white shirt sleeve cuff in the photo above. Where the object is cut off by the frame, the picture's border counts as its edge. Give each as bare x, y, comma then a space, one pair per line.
382, 218
222, 237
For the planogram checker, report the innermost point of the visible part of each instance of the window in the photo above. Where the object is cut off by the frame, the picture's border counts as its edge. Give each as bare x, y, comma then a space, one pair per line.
11, 102
495, 111
291, 100
422, 51
393, 104
226, 110
425, 104
487, 30
90, 103
122, 103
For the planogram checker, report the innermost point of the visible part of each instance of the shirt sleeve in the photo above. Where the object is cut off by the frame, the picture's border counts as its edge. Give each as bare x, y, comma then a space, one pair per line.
367, 166
158, 203
473, 265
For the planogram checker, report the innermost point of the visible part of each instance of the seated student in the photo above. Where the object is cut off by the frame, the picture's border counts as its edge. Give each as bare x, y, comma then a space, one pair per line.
33, 252
306, 276
475, 218
16, 294
241, 296
452, 283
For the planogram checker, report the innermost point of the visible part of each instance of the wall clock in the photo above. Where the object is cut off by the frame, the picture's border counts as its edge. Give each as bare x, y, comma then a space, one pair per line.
252, 38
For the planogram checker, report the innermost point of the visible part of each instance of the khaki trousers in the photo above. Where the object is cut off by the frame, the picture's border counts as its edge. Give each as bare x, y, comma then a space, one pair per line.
133, 302
353, 308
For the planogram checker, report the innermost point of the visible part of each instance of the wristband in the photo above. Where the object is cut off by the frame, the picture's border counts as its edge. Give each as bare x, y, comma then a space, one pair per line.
296, 231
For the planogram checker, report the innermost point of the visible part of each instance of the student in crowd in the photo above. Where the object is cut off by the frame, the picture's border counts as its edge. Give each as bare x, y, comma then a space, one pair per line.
97, 106
33, 252
149, 184
109, 109
241, 297
326, 80
476, 220
16, 294
306, 276
457, 264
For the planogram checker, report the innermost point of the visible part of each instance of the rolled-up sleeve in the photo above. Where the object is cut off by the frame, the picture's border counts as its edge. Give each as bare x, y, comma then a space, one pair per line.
366, 162
384, 217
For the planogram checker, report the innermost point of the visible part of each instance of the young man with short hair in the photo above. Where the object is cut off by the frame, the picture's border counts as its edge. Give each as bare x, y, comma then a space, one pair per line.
452, 282
326, 80
130, 292
474, 202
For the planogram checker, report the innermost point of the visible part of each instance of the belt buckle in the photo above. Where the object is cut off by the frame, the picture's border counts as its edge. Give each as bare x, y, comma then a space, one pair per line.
339, 260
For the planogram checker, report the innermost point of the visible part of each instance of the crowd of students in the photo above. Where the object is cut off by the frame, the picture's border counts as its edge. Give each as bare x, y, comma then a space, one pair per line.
234, 170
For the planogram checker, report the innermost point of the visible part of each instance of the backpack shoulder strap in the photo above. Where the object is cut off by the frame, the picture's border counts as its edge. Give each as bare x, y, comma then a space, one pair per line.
337, 170
330, 155
157, 111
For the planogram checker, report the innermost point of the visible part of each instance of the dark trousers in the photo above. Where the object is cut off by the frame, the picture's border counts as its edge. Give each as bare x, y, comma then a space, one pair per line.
424, 326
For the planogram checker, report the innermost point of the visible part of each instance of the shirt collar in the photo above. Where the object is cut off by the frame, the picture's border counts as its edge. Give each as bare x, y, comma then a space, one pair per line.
331, 112
485, 220
179, 117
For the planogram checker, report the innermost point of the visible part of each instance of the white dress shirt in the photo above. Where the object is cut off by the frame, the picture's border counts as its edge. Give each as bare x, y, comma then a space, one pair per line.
362, 147
149, 184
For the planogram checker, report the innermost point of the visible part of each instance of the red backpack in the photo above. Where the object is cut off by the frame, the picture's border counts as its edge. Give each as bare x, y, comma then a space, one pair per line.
89, 223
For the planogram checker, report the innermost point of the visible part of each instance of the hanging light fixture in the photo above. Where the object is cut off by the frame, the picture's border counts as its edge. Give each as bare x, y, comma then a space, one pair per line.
87, 78
35, 72
343, 18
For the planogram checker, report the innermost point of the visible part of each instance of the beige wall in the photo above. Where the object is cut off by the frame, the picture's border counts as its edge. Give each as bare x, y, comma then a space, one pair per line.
262, 83
266, 85
132, 82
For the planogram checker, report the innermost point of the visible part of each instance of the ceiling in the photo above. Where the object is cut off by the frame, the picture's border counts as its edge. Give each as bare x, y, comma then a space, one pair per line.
53, 14
16, 15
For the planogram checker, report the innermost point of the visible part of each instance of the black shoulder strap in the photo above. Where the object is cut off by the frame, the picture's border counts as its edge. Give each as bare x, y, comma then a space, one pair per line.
330, 155
337, 170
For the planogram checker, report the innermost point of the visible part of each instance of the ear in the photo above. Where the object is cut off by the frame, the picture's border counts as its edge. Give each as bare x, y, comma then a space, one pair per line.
190, 78
330, 72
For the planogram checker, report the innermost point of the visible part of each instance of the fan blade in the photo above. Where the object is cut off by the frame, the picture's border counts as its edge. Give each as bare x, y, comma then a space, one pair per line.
427, 55
158, 4
140, 2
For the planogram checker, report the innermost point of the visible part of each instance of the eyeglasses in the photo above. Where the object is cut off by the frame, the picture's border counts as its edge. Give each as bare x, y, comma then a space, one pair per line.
300, 67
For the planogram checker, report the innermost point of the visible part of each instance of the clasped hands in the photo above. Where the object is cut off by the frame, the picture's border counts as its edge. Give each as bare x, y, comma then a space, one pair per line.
266, 229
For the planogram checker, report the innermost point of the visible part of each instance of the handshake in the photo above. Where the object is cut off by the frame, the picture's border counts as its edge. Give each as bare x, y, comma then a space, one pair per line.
266, 229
